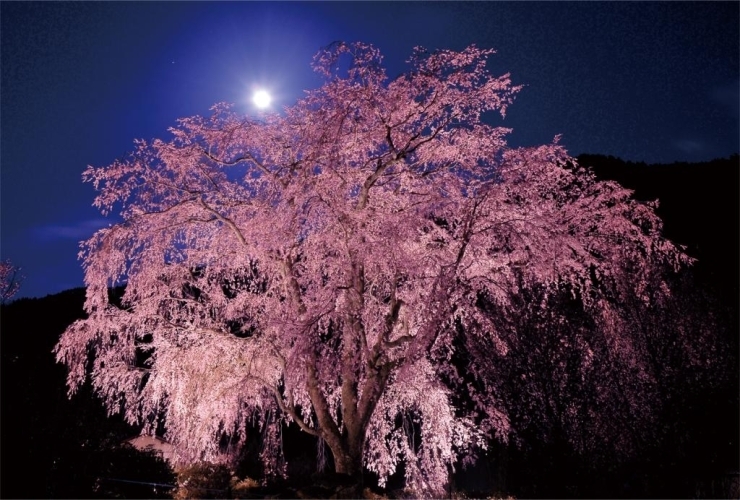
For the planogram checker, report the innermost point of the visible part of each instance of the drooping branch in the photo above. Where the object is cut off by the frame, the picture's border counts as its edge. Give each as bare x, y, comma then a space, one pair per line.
328, 427
289, 409
248, 158
230, 223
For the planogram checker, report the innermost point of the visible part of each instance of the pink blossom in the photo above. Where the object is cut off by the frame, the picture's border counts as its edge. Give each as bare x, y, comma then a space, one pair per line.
319, 267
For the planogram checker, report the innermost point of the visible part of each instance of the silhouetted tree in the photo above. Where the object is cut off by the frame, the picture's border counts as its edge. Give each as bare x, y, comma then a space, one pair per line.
10, 281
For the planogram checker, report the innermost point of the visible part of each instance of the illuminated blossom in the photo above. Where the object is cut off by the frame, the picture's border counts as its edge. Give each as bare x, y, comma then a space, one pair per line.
354, 265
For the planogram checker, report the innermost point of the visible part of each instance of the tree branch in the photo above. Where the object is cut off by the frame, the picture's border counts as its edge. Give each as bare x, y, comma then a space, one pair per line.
225, 220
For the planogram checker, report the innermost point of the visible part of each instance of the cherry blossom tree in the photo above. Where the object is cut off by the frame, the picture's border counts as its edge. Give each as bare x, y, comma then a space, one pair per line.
356, 265
10, 280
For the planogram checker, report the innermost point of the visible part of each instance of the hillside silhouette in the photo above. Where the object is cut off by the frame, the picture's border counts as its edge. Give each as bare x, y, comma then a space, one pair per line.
699, 207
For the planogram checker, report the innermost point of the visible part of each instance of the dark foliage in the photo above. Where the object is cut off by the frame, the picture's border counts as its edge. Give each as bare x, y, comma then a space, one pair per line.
694, 452
202, 480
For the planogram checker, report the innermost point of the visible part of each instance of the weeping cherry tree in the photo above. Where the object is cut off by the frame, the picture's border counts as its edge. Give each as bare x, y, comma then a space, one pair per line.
355, 262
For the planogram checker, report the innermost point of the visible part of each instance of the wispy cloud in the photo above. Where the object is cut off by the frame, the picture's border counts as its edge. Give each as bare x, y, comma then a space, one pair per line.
76, 231
728, 97
689, 145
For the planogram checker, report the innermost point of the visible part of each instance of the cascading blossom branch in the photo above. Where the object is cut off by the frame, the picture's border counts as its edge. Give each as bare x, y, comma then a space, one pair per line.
327, 266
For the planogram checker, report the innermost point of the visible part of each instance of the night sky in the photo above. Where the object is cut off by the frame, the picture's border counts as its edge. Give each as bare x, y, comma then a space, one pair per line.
653, 82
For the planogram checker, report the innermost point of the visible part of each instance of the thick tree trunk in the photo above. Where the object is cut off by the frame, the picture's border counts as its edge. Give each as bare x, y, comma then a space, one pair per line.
348, 462
345, 443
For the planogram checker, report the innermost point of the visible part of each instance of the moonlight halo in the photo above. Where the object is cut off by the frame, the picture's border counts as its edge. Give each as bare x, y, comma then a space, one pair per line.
262, 99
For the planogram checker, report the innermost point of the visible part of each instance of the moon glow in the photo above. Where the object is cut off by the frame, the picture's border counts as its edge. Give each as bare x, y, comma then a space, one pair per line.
261, 99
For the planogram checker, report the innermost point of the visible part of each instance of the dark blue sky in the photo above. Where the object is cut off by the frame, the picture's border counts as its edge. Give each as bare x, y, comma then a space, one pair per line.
653, 82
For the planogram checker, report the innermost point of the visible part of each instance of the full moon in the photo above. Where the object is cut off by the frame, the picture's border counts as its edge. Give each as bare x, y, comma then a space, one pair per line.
261, 99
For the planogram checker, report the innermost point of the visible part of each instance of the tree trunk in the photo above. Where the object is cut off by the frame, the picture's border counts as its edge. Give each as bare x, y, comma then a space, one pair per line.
348, 463
345, 444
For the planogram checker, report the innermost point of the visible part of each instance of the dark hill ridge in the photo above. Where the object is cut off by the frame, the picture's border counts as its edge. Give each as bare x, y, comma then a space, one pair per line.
54, 447
699, 205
